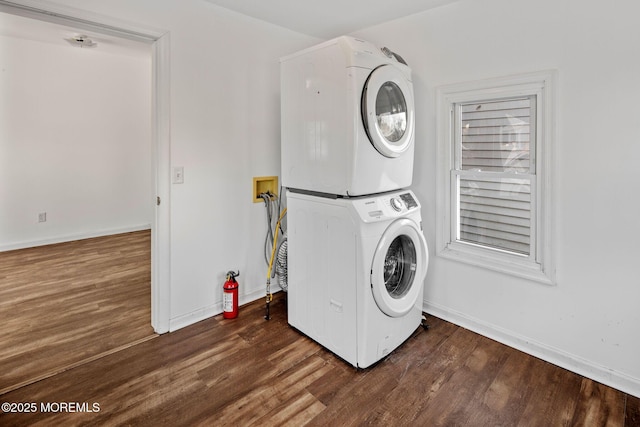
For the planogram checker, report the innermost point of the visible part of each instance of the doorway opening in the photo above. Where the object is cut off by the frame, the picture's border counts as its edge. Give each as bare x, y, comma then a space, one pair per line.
158, 235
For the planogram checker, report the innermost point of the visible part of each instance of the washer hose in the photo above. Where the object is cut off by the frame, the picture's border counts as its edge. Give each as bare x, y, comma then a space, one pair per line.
269, 296
281, 265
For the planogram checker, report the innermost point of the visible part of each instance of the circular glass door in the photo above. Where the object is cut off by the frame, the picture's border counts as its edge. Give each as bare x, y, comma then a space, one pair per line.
399, 267
387, 111
400, 264
391, 112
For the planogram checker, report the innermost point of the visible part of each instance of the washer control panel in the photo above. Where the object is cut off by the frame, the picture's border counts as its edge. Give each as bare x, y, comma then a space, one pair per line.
385, 206
409, 200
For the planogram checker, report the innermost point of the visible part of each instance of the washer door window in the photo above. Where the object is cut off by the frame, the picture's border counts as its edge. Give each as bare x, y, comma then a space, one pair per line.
398, 268
387, 111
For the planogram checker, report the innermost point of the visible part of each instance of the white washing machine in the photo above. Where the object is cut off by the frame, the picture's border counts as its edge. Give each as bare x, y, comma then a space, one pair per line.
356, 269
347, 115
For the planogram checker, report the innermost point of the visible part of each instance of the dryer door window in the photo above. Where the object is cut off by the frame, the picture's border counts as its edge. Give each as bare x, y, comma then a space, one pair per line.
398, 268
387, 111
391, 112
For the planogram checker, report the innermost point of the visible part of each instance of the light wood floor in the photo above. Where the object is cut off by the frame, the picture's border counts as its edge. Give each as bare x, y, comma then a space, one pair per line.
64, 304
248, 371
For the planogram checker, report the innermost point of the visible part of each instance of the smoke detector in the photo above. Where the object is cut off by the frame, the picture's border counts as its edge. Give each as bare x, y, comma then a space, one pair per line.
81, 41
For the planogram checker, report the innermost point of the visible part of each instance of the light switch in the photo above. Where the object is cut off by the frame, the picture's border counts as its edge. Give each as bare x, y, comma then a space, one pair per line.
178, 175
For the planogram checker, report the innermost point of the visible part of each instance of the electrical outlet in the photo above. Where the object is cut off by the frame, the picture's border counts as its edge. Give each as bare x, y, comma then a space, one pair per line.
178, 175
42, 217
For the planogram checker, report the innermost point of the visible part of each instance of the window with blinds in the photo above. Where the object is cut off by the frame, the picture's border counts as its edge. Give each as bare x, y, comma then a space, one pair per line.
494, 173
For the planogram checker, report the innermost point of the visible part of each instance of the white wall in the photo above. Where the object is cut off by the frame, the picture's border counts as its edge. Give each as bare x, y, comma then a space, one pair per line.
589, 321
75, 142
225, 129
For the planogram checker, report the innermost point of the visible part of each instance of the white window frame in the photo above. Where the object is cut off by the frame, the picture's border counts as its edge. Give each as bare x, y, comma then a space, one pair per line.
539, 266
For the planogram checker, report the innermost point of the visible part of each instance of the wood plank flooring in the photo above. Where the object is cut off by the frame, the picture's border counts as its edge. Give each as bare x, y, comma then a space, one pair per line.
248, 371
63, 304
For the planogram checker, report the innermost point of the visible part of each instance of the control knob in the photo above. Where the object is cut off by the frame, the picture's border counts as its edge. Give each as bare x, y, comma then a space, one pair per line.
396, 204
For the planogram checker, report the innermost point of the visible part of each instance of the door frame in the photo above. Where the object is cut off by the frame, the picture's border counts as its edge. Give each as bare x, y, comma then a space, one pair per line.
159, 41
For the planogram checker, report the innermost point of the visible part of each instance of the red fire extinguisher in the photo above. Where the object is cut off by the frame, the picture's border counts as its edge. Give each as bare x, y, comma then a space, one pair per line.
230, 296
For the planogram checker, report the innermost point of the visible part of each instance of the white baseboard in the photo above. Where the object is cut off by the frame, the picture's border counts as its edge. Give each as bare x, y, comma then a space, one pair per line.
194, 317
72, 237
571, 362
213, 310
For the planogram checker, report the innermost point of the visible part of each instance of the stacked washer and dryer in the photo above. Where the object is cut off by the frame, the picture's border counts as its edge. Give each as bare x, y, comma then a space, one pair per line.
357, 257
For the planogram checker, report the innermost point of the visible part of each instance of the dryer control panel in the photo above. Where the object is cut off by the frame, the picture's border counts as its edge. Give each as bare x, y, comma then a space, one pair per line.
386, 206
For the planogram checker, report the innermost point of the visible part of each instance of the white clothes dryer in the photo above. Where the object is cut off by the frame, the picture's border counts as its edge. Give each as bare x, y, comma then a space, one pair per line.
347, 119
356, 269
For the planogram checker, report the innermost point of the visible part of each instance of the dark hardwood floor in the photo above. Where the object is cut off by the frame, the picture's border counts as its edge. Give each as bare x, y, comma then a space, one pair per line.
64, 304
248, 371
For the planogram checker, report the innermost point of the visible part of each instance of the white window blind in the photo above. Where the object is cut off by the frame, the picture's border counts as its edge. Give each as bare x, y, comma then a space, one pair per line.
494, 172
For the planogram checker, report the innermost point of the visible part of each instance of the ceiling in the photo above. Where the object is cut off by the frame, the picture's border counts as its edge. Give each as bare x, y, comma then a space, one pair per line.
322, 19
327, 19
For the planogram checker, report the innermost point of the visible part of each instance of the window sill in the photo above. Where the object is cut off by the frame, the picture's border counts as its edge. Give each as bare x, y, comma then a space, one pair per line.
504, 263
